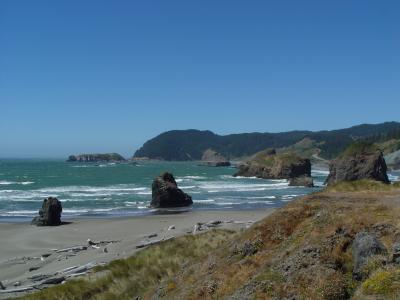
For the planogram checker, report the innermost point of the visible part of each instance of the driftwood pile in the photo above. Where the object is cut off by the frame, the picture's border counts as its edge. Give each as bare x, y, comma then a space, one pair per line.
213, 224
40, 281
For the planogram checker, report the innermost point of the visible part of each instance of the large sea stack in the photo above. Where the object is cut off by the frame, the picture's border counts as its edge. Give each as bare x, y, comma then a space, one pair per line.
50, 214
214, 159
105, 157
268, 164
165, 193
359, 161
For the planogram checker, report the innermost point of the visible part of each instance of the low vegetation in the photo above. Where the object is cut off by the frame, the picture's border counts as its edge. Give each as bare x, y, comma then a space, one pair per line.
360, 148
390, 146
364, 185
136, 275
267, 159
303, 249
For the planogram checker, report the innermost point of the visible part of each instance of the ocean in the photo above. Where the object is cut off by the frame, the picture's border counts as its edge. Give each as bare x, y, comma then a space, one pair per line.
110, 190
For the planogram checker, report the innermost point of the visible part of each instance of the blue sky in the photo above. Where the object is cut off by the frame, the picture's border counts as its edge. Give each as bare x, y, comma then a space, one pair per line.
99, 76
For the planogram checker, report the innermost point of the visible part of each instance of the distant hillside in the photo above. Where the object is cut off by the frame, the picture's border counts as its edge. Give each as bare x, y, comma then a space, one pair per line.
190, 144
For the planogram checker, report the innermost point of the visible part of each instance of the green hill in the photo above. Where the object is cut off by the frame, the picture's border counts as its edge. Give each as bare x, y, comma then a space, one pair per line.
190, 144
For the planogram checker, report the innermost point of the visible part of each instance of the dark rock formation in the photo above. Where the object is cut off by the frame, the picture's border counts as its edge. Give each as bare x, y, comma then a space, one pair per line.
306, 181
361, 161
50, 214
165, 193
72, 158
214, 159
107, 157
396, 253
270, 165
364, 247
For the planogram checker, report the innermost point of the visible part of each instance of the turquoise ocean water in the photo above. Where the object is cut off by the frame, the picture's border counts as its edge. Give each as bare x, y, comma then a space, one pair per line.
106, 190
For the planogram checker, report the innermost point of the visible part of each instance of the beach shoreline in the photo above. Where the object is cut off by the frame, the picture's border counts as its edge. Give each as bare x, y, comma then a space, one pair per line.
30, 250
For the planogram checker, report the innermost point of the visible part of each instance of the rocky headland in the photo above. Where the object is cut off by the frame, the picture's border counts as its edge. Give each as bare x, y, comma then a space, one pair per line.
104, 157
269, 164
360, 160
214, 159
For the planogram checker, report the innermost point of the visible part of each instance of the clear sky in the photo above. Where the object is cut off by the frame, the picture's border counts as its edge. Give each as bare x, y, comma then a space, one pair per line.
99, 76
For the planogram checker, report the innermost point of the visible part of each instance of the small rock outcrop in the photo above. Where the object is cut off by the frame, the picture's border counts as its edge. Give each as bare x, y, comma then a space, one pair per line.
396, 253
306, 181
271, 165
214, 159
165, 193
359, 161
106, 157
364, 247
50, 214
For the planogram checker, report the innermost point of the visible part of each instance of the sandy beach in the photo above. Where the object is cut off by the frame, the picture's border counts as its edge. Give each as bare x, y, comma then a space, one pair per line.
27, 251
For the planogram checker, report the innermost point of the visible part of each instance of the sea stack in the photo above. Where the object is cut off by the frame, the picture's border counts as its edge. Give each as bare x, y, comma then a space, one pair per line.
269, 164
165, 193
50, 214
214, 159
360, 160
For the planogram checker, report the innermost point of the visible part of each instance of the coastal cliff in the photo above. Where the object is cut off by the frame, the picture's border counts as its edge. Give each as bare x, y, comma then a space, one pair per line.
105, 157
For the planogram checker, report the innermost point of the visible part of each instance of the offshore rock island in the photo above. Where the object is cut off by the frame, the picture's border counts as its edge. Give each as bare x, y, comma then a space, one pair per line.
106, 157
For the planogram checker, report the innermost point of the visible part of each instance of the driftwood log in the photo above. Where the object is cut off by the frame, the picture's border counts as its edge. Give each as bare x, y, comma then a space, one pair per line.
146, 244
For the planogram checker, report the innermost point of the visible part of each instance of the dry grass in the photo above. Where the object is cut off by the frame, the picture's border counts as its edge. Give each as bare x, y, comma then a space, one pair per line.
364, 185
142, 272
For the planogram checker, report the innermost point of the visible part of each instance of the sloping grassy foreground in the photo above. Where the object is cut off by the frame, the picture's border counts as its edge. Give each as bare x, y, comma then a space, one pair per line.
136, 275
301, 251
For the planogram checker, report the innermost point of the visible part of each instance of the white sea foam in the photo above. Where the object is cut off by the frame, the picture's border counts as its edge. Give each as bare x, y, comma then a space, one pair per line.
21, 212
317, 172
234, 186
75, 211
102, 209
290, 196
263, 202
91, 189
188, 187
131, 203
194, 177
5, 182
15, 199
204, 201
217, 187
262, 197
